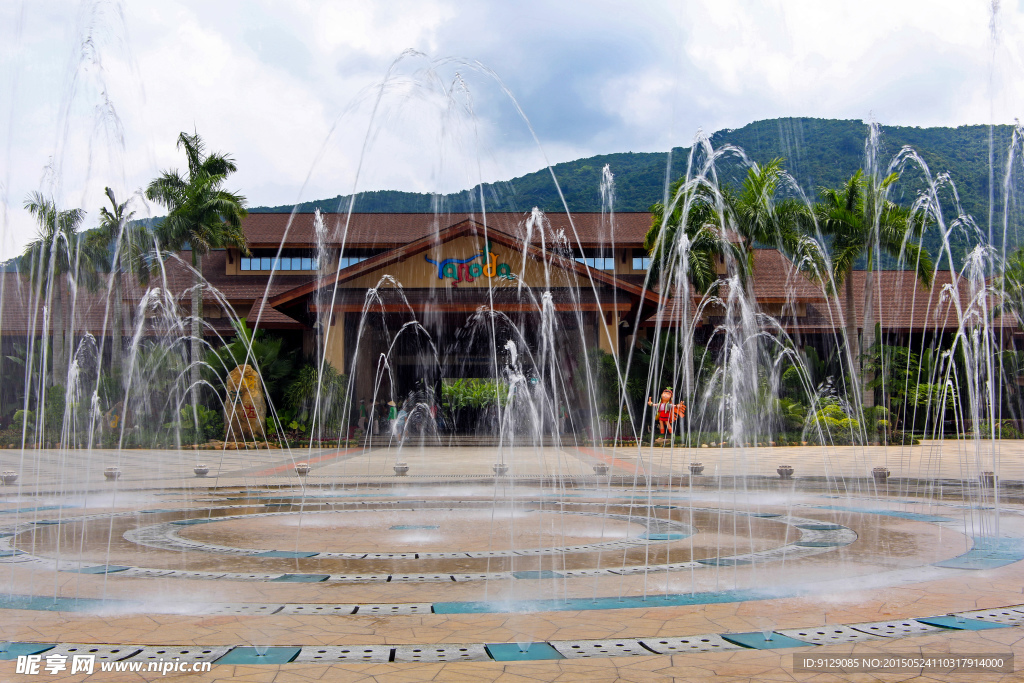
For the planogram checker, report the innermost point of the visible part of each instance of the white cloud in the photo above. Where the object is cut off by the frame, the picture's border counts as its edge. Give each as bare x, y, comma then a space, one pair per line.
289, 88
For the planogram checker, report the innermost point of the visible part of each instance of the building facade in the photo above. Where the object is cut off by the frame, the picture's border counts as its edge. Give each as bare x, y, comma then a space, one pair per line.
418, 292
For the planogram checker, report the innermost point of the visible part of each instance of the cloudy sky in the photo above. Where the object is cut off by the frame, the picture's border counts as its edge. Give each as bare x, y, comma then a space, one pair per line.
315, 99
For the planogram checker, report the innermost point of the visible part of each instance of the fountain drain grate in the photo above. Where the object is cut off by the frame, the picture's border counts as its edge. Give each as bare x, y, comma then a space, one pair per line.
286, 553
181, 653
828, 635
103, 653
708, 642
999, 615
408, 608
314, 608
475, 652
242, 608
583, 649
344, 653
895, 629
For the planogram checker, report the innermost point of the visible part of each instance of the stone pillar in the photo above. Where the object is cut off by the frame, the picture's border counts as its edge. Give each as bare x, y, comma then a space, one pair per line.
608, 332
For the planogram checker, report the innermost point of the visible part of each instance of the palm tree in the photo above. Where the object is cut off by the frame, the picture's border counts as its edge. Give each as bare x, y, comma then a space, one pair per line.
756, 213
114, 234
692, 213
760, 214
202, 215
856, 219
47, 261
1010, 288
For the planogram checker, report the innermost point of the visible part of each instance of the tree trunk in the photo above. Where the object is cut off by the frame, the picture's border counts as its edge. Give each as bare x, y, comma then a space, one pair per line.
868, 394
851, 328
197, 326
117, 328
58, 367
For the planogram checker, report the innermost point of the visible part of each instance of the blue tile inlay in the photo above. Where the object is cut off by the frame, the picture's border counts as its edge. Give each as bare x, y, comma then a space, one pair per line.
987, 553
820, 527
41, 508
412, 527
52, 604
579, 604
10, 553
962, 624
821, 544
511, 652
189, 522
100, 569
756, 641
914, 516
251, 655
724, 562
15, 650
537, 574
302, 578
664, 537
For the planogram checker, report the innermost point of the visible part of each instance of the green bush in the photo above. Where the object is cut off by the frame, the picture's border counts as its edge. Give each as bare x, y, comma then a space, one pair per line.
210, 425
1004, 429
835, 424
473, 393
301, 396
902, 439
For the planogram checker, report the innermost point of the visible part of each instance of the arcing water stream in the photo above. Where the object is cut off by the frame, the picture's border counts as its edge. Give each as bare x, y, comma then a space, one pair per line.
539, 482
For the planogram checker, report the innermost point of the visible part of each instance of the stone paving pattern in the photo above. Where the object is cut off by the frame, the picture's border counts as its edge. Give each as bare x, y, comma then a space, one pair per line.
903, 549
949, 459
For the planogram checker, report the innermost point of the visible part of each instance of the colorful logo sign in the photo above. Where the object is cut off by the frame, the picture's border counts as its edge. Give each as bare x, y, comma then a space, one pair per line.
467, 270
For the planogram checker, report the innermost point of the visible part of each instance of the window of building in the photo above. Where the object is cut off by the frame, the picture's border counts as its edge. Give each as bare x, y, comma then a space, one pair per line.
598, 262
347, 261
260, 263
269, 263
641, 263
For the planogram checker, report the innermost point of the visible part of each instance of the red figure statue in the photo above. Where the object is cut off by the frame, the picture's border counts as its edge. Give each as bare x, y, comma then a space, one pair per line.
668, 412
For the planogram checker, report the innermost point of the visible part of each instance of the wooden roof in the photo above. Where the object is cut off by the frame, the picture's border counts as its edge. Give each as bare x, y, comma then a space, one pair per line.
388, 230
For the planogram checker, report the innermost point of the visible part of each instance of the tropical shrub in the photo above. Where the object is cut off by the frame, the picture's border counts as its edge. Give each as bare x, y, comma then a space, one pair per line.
1004, 429
199, 426
835, 424
301, 395
473, 393
264, 353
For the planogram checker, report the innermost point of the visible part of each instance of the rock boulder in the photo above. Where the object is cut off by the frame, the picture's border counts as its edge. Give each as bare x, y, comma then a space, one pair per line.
245, 407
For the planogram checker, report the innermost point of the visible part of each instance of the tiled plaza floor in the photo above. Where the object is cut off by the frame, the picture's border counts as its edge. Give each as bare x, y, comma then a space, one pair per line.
887, 573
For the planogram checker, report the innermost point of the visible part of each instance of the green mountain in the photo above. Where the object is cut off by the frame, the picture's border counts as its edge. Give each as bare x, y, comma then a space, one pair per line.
817, 153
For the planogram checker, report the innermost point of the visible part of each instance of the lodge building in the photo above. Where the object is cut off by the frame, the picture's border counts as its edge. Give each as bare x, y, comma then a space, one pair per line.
421, 290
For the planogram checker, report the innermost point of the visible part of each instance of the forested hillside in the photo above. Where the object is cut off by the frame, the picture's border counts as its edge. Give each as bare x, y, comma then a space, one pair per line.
817, 153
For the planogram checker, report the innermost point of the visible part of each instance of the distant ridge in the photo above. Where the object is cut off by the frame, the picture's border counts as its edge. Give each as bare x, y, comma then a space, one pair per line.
817, 153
